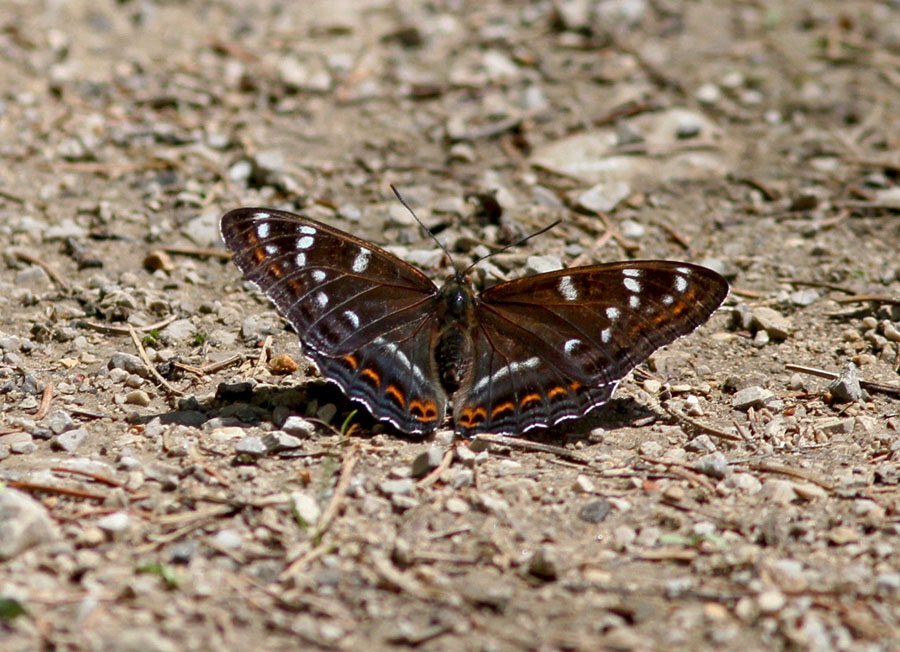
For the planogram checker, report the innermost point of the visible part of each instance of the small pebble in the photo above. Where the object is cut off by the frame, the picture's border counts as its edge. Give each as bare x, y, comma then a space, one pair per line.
427, 461
595, 511
544, 564
137, 397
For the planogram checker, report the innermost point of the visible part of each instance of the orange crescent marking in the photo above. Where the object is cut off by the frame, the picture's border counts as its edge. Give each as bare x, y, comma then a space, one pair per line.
372, 375
559, 390
423, 410
276, 271
529, 398
471, 416
503, 407
574, 386
394, 392
259, 254
351, 360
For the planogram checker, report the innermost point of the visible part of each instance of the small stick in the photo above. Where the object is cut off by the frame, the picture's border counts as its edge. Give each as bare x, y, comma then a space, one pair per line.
45, 402
35, 486
533, 446
124, 330
893, 390
263, 356
143, 354
880, 298
11, 197
198, 252
675, 235
750, 294
802, 474
818, 284
52, 273
432, 477
686, 420
94, 476
211, 368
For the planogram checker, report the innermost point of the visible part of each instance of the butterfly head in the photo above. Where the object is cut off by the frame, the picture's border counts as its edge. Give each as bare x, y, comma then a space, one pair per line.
456, 299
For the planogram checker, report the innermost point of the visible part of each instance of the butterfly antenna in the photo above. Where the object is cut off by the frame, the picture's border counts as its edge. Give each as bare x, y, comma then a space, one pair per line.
517, 243
424, 228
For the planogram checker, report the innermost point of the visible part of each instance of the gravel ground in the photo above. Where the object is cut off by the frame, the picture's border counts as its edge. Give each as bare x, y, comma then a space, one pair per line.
175, 476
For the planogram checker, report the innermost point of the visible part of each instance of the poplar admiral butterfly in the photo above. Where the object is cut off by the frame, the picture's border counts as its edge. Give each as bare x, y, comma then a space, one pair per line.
521, 355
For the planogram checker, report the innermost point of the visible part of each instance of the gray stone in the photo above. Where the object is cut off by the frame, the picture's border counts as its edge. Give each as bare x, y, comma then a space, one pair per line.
542, 264
714, 465
63, 230
306, 507
427, 461
595, 511
751, 397
299, 427
805, 297
130, 363
462, 478
846, 387
281, 441
24, 523
256, 328
228, 538
544, 564
203, 230
251, 446
604, 197
20, 443
58, 421
178, 332
777, 326
71, 440
404, 486
115, 522
836, 426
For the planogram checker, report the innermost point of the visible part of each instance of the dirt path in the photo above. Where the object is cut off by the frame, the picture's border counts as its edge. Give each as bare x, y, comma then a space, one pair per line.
723, 500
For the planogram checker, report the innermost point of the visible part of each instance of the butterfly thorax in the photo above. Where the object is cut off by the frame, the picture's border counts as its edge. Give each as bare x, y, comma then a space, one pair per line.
455, 307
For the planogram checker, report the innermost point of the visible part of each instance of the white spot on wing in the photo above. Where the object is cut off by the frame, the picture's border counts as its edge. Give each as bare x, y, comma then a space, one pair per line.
631, 285
321, 299
307, 230
683, 270
633, 273
571, 345
262, 215
668, 299
392, 348
361, 262
566, 288
305, 242
612, 313
271, 249
318, 276
352, 318
300, 259
634, 301
605, 335
263, 230
511, 368
680, 283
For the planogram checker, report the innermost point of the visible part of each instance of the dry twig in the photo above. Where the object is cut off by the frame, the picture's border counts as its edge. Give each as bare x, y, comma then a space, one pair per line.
143, 354
893, 390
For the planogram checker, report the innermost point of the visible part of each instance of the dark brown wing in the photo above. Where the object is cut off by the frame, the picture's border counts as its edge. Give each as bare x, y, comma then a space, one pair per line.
554, 346
363, 315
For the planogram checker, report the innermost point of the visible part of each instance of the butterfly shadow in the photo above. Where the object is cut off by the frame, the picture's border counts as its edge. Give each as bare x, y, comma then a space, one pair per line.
246, 404
615, 414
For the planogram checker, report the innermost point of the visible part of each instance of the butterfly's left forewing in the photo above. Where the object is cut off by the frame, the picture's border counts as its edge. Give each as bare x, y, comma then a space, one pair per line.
363, 315
554, 346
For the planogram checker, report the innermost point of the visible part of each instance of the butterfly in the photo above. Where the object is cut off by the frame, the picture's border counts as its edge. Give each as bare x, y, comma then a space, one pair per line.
519, 356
